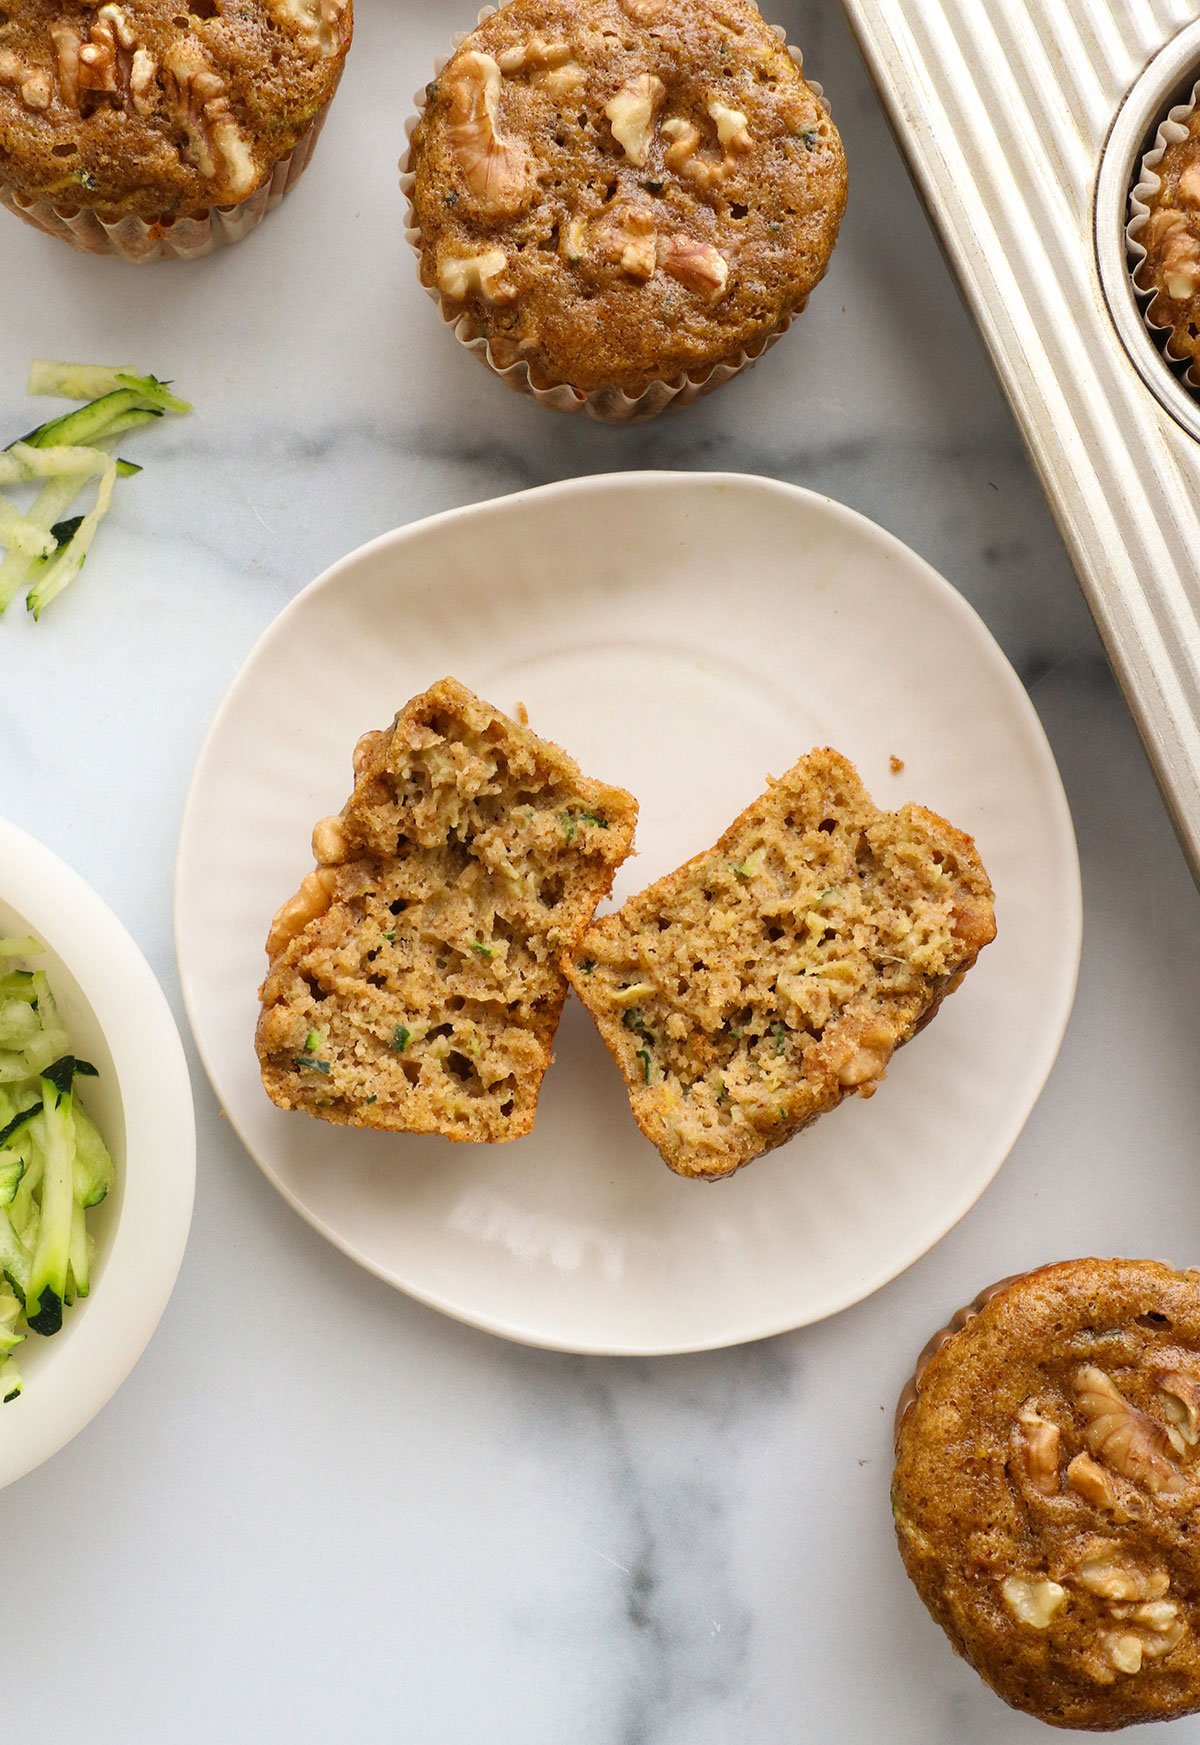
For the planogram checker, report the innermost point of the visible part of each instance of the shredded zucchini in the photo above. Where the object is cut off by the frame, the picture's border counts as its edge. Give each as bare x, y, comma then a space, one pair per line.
44, 550
54, 1164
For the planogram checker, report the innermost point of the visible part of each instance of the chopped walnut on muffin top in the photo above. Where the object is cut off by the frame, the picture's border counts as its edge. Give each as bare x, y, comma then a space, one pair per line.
619, 190
153, 107
1171, 238
1046, 1489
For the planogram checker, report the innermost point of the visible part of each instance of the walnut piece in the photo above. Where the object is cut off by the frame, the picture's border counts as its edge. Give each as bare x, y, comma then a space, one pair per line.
1111, 1579
684, 156
498, 171
364, 746
1135, 1445
215, 142
628, 237
1033, 1602
329, 841
1088, 1479
33, 85
66, 46
1181, 1404
462, 276
631, 114
310, 902
321, 21
1163, 1628
1036, 1441
1123, 1650
109, 63
733, 130
697, 265
1179, 252
1187, 189
532, 55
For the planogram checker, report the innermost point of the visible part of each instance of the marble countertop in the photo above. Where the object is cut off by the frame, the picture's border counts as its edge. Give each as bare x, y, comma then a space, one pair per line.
316, 1509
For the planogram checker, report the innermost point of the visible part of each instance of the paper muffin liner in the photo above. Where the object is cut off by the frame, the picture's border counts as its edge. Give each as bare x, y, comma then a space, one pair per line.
181, 239
608, 405
1171, 132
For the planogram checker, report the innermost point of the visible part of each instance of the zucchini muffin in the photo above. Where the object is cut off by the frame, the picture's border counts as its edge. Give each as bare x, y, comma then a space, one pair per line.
1166, 231
1046, 1490
414, 981
619, 202
151, 129
768, 978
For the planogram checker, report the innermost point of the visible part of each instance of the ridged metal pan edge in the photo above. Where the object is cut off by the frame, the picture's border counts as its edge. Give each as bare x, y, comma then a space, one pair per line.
1004, 110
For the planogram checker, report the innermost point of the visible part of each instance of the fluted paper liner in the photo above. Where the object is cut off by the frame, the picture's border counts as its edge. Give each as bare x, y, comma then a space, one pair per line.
912, 1387
1171, 132
182, 239
608, 405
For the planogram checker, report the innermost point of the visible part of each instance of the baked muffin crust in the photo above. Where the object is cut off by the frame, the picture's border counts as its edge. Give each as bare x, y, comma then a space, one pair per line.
1171, 238
153, 108
1046, 1489
617, 191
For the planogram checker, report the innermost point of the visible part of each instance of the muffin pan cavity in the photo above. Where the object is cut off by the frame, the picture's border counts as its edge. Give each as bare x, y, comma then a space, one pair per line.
1167, 80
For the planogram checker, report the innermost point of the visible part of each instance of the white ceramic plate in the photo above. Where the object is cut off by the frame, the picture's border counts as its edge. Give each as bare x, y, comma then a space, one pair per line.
142, 1101
682, 635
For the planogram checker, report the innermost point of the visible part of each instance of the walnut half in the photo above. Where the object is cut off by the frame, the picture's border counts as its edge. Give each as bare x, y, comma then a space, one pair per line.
631, 115
215, 142
1134, 1444
498, 171
698, 266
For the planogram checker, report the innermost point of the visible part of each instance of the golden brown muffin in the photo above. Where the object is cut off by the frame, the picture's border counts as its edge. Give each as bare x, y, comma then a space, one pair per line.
1046, 1490
414, 980
750, 991
151, 110
1170, 236
616, 192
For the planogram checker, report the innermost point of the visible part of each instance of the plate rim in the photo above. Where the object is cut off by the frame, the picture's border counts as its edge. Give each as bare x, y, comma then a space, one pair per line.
669, 480
110, 969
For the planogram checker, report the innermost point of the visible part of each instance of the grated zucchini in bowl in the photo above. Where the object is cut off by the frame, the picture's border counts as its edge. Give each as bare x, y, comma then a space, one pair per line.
54, 1164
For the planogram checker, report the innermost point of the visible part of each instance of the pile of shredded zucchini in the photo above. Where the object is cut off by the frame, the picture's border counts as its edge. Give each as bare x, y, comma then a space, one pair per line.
45, 545
54, 1166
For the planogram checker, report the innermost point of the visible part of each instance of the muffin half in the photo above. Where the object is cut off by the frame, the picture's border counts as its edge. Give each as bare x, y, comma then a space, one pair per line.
619, 202
769, 978
149, 129
414, 981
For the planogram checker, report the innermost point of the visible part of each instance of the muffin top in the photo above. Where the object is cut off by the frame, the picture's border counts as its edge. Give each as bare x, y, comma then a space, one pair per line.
1046, 1489
616, 191
1171, 238
156, 107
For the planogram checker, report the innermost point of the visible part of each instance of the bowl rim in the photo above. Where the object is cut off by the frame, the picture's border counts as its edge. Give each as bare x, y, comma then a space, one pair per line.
111, 1330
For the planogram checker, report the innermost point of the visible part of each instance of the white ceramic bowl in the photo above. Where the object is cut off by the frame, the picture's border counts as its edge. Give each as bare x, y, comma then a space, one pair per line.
118, 1019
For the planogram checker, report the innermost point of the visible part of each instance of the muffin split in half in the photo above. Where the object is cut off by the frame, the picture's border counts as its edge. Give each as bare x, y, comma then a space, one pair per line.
751, 990
415, 981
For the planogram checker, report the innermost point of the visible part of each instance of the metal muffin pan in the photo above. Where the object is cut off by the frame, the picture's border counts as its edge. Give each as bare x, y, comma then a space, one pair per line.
1024, 124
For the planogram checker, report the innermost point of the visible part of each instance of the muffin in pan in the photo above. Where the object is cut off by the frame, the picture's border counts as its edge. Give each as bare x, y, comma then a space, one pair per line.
1164, 235
150, 129
619, 202
1046, 1488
